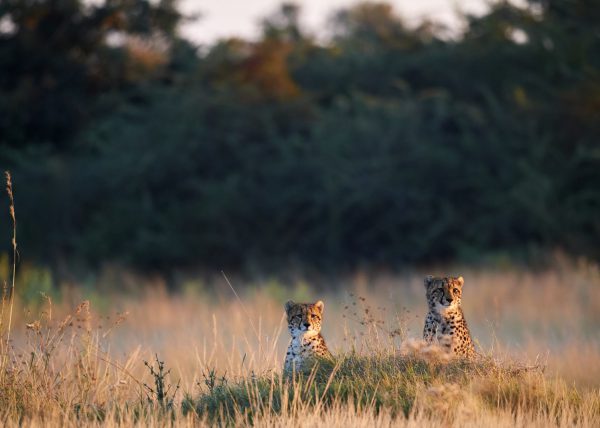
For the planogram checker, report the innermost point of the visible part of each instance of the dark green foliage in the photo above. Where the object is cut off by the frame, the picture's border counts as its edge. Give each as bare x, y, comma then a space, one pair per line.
55, 62
387, 145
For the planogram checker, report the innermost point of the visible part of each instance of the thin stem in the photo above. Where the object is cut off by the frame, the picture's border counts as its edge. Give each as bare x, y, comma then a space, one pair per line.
9, 191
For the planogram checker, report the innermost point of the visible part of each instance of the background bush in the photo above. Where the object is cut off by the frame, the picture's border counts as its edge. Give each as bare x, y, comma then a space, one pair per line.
387, 144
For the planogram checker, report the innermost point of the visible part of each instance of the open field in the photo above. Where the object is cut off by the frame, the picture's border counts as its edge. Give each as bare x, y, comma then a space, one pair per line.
73, 363
341, 164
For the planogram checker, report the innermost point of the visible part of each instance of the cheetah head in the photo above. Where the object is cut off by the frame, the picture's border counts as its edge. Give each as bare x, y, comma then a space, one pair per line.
443, 293
304, 317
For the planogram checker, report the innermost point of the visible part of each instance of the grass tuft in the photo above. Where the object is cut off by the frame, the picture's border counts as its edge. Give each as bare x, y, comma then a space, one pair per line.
401, 385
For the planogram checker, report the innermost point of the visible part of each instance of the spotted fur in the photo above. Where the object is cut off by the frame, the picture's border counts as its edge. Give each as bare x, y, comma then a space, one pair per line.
304, 324
445, 321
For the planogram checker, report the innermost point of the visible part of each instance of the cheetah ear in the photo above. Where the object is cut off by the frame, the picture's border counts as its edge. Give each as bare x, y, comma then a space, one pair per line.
428, 280
289, 305
320, 305
460, 280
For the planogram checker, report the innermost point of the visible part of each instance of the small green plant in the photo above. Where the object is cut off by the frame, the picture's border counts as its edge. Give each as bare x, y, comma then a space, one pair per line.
160, 393
212, 380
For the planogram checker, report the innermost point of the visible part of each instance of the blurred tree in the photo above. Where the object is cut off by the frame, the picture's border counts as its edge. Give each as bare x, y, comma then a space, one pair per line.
387, 144
58, 55
284, 25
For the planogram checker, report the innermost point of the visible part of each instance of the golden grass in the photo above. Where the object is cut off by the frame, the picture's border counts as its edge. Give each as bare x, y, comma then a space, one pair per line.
71, 365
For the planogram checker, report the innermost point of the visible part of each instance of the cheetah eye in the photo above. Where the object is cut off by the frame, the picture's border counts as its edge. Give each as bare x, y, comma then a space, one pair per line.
456, 290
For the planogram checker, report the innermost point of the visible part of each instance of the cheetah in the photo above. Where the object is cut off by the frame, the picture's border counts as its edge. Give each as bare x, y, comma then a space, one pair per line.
304, 324
445, 320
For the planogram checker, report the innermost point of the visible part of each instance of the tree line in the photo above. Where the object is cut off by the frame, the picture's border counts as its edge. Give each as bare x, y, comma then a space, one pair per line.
387, 143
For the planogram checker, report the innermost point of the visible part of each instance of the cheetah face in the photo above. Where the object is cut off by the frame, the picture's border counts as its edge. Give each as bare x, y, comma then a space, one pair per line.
304, 317
443, 293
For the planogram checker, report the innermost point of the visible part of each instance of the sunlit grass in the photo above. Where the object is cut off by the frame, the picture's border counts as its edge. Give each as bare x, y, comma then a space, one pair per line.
71, 364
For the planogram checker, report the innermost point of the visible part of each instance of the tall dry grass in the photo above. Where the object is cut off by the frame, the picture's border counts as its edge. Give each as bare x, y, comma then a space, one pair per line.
73, 364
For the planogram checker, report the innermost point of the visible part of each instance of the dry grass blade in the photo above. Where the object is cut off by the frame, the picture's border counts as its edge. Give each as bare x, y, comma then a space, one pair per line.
242, 304
9, 191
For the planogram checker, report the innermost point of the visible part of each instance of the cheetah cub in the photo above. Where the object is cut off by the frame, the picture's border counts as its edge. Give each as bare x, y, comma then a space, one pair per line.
304, 323
445, 320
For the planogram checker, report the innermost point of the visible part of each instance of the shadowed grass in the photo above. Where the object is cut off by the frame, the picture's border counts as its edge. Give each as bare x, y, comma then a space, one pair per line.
401, 385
